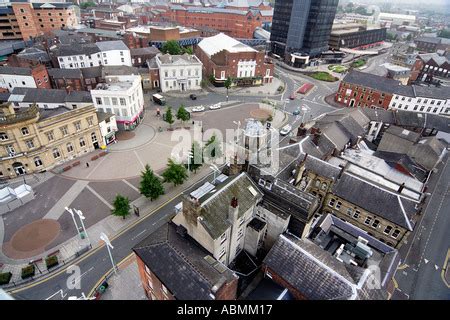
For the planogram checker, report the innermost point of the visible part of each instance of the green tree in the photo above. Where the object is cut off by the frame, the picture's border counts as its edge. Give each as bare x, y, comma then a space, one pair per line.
228, 84
169, 117
121, 206
172, 47
88, 4
182, 114
195, 157
444, 33
151, 187
409, 37
175, 173
213, 149
188, 50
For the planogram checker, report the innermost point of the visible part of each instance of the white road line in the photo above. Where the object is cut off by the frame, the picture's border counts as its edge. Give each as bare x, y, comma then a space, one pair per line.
95, 168
139, 234
139, 159
100, 197
131, 186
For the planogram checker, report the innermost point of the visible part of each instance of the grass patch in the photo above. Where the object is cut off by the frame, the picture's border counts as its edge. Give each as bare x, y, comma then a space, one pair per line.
337, 68
323, 76
358, 63
5, 277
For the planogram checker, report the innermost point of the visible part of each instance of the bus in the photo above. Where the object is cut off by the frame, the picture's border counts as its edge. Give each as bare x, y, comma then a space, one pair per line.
159, 99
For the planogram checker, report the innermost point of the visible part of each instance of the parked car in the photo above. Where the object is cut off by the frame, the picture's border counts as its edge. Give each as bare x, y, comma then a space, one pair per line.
193, 97
198, 109
285, 130
296, 112
215, 106
292, 97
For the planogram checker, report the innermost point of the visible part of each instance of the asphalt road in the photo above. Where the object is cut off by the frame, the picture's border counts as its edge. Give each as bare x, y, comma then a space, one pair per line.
420, 276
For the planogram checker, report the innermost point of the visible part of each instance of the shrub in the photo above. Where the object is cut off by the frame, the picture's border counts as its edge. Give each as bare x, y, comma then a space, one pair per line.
77, 163
323, 76
5, 277
28, 271
280, 88
51, 261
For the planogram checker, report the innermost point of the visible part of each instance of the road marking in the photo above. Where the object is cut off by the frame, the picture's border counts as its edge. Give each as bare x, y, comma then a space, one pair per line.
75, 281
436, 267
139, 159
140, 233
444, 269
426, 261
99, 197
95, 168
131, 186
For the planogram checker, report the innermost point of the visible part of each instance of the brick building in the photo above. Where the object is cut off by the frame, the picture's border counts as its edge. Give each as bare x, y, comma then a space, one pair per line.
432, 44
139, 56
33, 77
24, 20
224, 57
237, 23
429, 66
174, 266
359, 89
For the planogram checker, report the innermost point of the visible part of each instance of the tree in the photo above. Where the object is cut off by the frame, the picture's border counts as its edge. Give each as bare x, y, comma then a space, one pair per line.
169, 117
175, 173
151, 187
213, 148
85, 5
188, 50
444, 33
172, 47
121, 206
228, 84
409, 37
196, 157
182, 114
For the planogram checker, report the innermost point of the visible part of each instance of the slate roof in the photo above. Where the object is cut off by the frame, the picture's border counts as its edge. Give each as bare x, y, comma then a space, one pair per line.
321, 167
376, 200
111, 45
372, 81
403, 133
144, 51
79, 96
310, 270
34, 54
92, 72
215, 206
168, 59
179, 263
58, 73
52, 95
80, 49
16, 71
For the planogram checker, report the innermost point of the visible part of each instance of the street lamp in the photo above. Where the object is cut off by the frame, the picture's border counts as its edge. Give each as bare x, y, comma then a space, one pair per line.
109, 246
284, 106
73, 218
189, 155
215, 169
82, 217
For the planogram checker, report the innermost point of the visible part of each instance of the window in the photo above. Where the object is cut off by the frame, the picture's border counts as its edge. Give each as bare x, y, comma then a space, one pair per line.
332, 202
123, 102
395, 234
37, 162
349, 211
356, 214
56, 153
387, 230
114, 101
3, 136
368, 220
77, 125
375, 223
82, 142
50, 136
338, 205
25, 131
10, 149
69, 147
223, 238
98, 101
93, 137
90, 121
64, 131
121, 59
29, 144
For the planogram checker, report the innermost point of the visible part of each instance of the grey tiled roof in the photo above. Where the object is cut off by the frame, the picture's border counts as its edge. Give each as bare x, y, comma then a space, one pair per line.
376, 200
403, 133
179, 263
215, 210
58, 73
111, 45
309, 269
321, 167
372, 81
16, 71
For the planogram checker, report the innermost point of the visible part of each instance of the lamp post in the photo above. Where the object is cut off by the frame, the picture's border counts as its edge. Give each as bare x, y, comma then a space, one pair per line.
82, 217
215, 169
109, 246
284, 105
73, 218
189, 155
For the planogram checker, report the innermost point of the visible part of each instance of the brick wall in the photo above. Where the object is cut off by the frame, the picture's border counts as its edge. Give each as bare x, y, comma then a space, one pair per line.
41, 77
279, 280
362, 97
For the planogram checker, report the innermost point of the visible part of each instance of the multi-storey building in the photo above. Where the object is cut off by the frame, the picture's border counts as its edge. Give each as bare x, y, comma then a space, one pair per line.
224, 57
33, 139
122, 96
31, 77
431, 66
355, 35
179, 72
25, 20
301, 28
432, 44
104, 53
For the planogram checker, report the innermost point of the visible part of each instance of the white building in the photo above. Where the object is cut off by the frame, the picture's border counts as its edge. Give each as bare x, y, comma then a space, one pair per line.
421, 99
122, 96
11, 77
179, 72
106, 53
108, 127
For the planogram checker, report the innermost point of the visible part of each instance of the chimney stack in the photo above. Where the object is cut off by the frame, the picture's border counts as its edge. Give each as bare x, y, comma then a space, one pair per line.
316, 137
233, 210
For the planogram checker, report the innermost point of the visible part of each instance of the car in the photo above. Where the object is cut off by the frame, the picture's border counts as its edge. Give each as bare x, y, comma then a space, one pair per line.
215, 106
292, 97
296, 112
198, 109
193, 97
286, 130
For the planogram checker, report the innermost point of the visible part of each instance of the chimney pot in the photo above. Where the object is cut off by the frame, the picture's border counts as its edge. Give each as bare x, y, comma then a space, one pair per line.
234, 202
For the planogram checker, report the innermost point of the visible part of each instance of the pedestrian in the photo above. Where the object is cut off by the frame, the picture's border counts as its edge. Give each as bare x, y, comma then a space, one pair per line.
87, 164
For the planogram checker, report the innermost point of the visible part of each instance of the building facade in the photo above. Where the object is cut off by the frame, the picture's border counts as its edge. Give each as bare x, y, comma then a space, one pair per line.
179, 72
224, 57
33, 140
122, 96
16, 77
302, 27
355, 36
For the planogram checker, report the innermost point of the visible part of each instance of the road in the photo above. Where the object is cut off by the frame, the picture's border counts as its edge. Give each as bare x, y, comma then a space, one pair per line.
420, 275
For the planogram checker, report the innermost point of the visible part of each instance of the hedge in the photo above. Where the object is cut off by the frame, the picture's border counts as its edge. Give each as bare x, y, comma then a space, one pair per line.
28, 271
5, 277
51, 261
